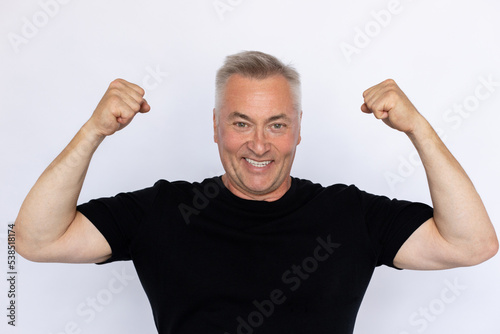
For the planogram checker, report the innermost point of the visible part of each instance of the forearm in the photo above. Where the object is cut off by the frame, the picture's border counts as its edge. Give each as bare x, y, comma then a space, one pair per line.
50, 206
459, 213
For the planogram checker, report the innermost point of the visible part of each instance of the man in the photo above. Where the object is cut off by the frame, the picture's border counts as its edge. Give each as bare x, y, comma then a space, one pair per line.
255, 250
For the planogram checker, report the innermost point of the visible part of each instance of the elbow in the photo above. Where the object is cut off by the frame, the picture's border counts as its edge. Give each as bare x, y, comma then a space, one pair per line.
23, 247
28, 254
492, 248
487, 250
20, 243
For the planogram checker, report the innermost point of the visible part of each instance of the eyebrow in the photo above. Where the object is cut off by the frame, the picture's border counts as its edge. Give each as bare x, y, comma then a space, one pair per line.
237, 114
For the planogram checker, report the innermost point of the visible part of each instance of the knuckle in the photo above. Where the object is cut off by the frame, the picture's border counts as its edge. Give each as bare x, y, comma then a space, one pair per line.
114, 98
116, 83
390, 81
141, 90
135, 106
392, 93
127, 114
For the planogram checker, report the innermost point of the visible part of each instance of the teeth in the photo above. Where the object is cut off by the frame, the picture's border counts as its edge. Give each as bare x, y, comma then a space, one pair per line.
257, 163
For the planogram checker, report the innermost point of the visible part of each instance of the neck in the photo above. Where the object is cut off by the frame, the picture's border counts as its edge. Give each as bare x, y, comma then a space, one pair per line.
270, 196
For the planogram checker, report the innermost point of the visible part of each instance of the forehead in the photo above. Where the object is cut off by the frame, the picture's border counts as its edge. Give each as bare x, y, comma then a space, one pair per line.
248, 94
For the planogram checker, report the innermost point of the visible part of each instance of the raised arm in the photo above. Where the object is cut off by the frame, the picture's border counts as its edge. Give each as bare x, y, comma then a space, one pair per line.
48, 227
460, 233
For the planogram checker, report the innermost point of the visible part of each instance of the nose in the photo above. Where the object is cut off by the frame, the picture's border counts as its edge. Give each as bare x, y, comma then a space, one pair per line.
259, 144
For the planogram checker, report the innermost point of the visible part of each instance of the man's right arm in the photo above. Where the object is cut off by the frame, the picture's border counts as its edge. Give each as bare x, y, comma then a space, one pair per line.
48, 227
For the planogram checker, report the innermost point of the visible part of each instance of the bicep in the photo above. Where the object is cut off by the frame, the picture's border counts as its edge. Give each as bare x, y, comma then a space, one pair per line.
81, 243
426, 249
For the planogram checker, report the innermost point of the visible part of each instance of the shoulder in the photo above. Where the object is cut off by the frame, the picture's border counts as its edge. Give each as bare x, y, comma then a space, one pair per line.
338, 192
339, 188
183, 187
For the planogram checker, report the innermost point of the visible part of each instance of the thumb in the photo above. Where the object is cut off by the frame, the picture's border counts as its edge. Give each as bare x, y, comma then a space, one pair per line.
145, 107
364, 108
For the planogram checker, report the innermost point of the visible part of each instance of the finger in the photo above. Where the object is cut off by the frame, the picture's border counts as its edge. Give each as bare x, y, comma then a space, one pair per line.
123, 113
136, 95
365, 109
145, 107
138, 89
370, 102
124, 88
131, 86
380, 114
371, 95
372, 90
132, 94
381, 106
130, 98
367, 92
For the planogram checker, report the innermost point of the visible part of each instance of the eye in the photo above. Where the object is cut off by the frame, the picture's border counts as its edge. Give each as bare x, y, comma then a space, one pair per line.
278, 126
240, 124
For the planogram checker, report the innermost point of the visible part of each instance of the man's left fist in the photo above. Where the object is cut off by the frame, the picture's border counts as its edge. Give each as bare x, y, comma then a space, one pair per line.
386, 101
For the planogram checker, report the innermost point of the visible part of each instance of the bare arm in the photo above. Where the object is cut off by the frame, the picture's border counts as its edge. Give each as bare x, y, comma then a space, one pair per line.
460, 233
48, 227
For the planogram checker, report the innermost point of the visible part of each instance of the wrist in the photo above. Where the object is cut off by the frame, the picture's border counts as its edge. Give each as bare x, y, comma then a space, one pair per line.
91, 133
421, 129
90, 137
424, 138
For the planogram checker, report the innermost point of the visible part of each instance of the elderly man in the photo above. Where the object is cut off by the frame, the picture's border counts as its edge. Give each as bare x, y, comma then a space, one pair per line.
255, 250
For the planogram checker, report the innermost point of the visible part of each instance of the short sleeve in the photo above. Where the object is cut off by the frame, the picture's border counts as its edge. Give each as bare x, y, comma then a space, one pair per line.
390, 222
118, 218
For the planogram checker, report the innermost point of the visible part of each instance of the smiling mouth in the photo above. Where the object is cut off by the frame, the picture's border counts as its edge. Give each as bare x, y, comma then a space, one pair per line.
259, 164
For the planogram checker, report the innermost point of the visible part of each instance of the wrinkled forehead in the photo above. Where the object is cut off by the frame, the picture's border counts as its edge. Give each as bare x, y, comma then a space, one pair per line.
249, 95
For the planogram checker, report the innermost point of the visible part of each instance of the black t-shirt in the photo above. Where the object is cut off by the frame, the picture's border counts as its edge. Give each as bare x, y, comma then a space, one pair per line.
211, 262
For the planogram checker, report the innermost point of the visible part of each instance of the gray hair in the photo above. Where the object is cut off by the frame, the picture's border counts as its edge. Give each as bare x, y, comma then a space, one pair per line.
256, 65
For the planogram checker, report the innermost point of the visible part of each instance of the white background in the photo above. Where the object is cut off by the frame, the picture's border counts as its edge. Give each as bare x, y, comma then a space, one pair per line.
53, 76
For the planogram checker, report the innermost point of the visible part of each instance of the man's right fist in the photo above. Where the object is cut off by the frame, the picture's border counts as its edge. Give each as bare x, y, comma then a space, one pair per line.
121, 102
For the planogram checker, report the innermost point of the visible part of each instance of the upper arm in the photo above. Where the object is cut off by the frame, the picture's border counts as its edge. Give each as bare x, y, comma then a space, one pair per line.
426, 249
81, 243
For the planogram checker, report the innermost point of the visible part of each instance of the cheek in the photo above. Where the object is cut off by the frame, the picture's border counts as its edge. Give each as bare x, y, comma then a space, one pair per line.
230, 141
287, 149
287, 144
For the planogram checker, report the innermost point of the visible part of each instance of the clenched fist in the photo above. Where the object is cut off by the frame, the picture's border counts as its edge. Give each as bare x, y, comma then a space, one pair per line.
121, 102
386, 101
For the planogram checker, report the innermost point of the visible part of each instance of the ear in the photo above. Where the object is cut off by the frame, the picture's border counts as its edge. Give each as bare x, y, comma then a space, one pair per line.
216, 139
300, 122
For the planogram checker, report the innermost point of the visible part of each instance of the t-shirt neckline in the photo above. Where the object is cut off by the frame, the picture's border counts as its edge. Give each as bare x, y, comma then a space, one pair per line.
261, 206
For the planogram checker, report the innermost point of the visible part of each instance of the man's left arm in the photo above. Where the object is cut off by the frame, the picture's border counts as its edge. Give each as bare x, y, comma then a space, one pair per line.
460, 233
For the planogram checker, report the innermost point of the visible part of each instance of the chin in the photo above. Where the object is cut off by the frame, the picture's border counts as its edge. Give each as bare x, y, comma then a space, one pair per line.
261, 187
